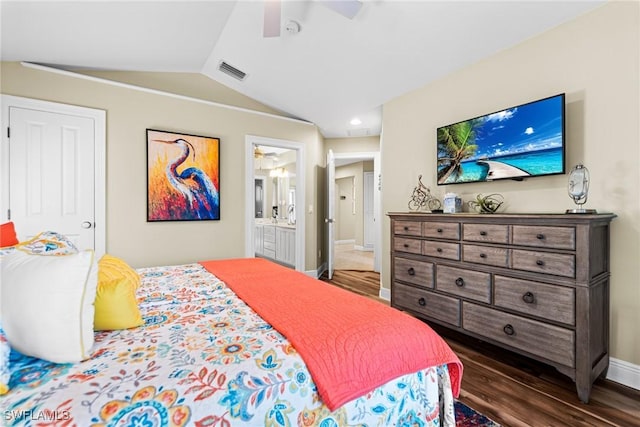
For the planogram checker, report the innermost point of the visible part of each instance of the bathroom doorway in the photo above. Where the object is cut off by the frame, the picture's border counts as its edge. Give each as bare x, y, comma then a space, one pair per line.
282, 186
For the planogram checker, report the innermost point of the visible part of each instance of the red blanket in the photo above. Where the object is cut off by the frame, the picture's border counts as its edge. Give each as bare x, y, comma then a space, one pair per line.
350, 344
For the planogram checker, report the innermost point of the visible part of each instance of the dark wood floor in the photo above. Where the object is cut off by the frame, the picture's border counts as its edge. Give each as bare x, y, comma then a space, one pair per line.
516, 391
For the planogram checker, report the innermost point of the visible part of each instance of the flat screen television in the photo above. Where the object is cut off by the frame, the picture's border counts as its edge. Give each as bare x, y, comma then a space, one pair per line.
524, 141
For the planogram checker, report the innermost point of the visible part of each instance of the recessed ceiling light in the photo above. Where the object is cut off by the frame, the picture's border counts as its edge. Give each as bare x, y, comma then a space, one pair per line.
356, 121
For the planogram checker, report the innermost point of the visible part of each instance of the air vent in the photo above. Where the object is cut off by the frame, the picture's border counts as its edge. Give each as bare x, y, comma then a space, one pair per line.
232, 71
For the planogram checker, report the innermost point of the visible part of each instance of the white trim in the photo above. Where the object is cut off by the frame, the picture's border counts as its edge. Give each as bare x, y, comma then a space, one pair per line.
250, 141
318, 272
624, 373
312, 273
157, 92
99, 118
384, 293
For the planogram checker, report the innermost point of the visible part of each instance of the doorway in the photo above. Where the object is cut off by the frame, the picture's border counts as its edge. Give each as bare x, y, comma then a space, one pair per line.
361, 251
279, 201
351, 251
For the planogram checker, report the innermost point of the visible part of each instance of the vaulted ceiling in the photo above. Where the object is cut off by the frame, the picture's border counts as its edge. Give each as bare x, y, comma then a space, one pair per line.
332, 70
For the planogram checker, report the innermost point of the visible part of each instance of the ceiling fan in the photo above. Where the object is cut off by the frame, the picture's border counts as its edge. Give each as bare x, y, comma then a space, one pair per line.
264, 160
273, 13
258, 153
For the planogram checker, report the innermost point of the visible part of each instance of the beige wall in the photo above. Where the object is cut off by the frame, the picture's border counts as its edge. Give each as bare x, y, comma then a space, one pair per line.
595, 61
345, 219
353, 223
129, 113
187, 84
367, 144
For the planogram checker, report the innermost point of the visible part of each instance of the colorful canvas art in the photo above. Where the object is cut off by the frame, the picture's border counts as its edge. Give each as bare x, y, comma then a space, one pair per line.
183, 177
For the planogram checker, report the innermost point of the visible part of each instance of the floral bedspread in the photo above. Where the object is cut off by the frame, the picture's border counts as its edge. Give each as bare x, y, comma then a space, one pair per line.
204, 358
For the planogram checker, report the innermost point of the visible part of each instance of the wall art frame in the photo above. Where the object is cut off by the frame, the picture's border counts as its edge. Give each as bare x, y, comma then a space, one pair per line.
183, 176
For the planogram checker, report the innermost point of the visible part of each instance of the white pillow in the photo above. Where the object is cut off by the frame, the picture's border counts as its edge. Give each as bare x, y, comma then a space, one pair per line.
46, 304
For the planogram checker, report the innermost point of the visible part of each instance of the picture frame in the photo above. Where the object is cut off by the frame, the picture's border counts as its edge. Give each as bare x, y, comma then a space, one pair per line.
183, 177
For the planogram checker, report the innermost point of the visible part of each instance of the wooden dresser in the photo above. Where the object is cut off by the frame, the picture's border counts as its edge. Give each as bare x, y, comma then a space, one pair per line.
534, 284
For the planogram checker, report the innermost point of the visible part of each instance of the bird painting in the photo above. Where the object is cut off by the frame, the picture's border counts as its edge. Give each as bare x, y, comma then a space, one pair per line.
183, 177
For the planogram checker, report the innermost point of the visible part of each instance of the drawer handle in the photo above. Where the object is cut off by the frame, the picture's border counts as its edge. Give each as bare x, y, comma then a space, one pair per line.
540, 236
528, 298
406, 245
540, 262
483, 255
508, 329
439, 250
483, 233
411, 271
439, 230
406, 228
460, 282
422, 302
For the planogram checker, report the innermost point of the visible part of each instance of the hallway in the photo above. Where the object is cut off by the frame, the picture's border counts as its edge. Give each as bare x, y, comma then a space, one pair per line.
347, 257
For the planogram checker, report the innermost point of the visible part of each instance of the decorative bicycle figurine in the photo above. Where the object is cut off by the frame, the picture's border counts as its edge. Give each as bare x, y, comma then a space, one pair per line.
421, 197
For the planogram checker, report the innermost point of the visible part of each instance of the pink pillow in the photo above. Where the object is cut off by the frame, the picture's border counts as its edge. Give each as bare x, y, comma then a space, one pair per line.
8, 235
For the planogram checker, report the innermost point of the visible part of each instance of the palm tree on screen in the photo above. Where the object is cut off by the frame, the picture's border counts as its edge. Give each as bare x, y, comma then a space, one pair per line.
455, 144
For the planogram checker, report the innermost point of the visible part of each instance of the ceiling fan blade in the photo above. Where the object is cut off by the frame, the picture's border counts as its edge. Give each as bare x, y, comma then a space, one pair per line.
347, 8
272, 16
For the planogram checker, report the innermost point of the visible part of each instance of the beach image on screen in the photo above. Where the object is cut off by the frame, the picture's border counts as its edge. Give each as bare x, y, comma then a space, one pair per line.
515, 143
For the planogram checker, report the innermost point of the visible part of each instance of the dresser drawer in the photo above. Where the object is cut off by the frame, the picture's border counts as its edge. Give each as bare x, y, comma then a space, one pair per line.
544, 262
551, 302
441, 230
402, 244
487, 255
550, 342
486, 233
441, 249
545, 237
474, 285
407, 228
417, 272
440, 307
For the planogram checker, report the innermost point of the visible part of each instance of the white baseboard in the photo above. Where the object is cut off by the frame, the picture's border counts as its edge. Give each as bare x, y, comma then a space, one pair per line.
363, 248
317, 273
384, 293
624, 373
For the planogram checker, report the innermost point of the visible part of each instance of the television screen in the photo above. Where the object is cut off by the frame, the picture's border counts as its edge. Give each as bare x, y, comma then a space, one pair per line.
516, 143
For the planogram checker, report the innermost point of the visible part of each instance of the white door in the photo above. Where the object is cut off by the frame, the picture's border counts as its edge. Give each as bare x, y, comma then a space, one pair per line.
331, 211
369, 230
51, 174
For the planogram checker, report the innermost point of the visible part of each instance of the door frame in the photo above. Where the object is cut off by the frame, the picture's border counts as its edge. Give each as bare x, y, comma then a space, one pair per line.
365, 196
99, 120
299, 147
377, 200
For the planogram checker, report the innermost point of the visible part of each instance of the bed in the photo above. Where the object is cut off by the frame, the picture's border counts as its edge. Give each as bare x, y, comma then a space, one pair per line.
205, 357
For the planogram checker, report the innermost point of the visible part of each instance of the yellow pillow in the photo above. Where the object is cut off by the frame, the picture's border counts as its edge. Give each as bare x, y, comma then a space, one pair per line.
116, 306
113, 268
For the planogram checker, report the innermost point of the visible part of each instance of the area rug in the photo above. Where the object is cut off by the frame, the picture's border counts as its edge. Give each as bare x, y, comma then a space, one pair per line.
467, 417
